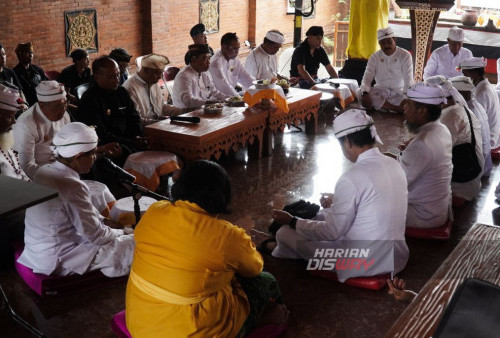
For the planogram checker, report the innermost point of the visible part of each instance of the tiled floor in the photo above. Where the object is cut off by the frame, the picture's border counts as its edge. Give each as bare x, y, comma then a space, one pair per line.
302, 166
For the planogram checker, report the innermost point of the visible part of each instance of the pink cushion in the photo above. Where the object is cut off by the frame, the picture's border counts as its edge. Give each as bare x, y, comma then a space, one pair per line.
59, 285
118, 325
495, 153
439, 233
372, 283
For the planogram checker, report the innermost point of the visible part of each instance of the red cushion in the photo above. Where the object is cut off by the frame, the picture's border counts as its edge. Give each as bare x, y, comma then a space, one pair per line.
491, 66
495, 153
118, 325
439, 233
372, 283
60, 285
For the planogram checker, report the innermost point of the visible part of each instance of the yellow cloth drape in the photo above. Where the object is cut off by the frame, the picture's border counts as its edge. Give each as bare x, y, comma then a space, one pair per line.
183, 255
366, 17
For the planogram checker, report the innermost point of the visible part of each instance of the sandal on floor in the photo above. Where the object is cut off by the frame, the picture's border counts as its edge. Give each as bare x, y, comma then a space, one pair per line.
263, 248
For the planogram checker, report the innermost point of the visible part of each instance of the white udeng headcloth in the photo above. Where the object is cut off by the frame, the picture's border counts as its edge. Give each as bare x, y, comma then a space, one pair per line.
456, 34
385, 33
48, 91
275, 36
430, 94
74, 138
473, 63
448, 89
8, 98
354, 120
462, 83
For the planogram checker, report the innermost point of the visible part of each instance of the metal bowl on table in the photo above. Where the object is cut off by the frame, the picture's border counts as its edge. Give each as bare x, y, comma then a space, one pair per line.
213, 108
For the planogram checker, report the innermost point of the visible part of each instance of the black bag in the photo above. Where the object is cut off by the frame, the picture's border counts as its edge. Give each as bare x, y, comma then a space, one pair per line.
466, 167
301, 208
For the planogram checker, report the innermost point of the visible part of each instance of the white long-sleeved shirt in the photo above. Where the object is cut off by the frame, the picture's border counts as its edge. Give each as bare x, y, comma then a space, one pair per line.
456, 120
368, 210
485, 94
192, 89
393, 72
33, 134
228, 73
148, 100
480, 113
443, 62
427, 164
261, 65
64, 233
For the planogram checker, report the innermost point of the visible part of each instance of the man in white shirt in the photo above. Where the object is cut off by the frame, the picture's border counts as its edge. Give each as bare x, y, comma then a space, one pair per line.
426, 159
67, 235
262, 62
446, 59
193, 85
485, 94
145, 91
225, 68
466, 88
368, 209
392, 69
35, 128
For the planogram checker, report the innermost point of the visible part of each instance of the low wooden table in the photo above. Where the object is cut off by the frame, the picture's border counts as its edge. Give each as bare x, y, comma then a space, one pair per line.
476, 256
214, 135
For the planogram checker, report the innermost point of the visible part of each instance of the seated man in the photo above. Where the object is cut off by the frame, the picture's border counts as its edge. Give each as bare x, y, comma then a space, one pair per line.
67, 235
122, 58
367, 211
76, 74
485, 94
145, 91
307, 57
466, 88
109, 107
28, 74
199, 36
392, 69
226, 70
262, 62
193, 85
446, 59
35, 129
426, 159
6, 74
456, 119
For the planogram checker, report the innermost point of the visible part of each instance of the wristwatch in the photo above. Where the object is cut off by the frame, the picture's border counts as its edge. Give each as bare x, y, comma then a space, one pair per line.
293, 222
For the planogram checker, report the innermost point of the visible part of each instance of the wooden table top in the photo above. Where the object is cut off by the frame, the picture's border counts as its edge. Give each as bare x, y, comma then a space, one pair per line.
476, 256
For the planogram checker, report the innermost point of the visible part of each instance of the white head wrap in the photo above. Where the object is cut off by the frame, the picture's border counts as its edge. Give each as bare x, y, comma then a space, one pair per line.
385, 33
429, 94
354, 120
456, 34
462, 83
8, 98
48, 91
74, 138
155, 61
448, 89
275, 36
473, 63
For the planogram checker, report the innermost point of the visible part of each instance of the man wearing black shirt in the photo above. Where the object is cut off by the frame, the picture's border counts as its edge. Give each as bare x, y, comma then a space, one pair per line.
307, 57
76, 74
29, 75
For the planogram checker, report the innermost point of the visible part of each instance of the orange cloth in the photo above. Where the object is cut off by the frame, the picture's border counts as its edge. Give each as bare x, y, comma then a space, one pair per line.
269, 94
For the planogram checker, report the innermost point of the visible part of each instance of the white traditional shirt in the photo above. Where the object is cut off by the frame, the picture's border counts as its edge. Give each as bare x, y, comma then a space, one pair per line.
485, 94
228, 73
192, 89
261, 65
63, 235
10, 166
427, 164
148, 99
443, 62
480, 113
456, 120
368, 210
33, 134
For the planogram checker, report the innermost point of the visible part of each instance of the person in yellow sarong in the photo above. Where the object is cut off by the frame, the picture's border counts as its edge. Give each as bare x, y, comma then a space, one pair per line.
194, 274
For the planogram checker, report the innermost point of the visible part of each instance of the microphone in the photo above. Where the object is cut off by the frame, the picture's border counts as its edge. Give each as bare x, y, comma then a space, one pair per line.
112, 168
192, 119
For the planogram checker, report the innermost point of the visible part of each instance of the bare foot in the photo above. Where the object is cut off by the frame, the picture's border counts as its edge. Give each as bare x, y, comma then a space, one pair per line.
397, 288
274, 314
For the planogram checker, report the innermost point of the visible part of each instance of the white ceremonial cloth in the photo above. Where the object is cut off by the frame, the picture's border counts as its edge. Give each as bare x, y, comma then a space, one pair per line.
480, 113
126, 206
443, 62
485, 94
148, 100
64, 234
367, 209
228, 73
342, 92
191, 89
427, 165
456, 120
351, 83
33, 134
261, 65
146, 162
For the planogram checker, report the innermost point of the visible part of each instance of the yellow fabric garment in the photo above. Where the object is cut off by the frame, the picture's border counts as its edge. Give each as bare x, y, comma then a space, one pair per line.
186, 252
366, 17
